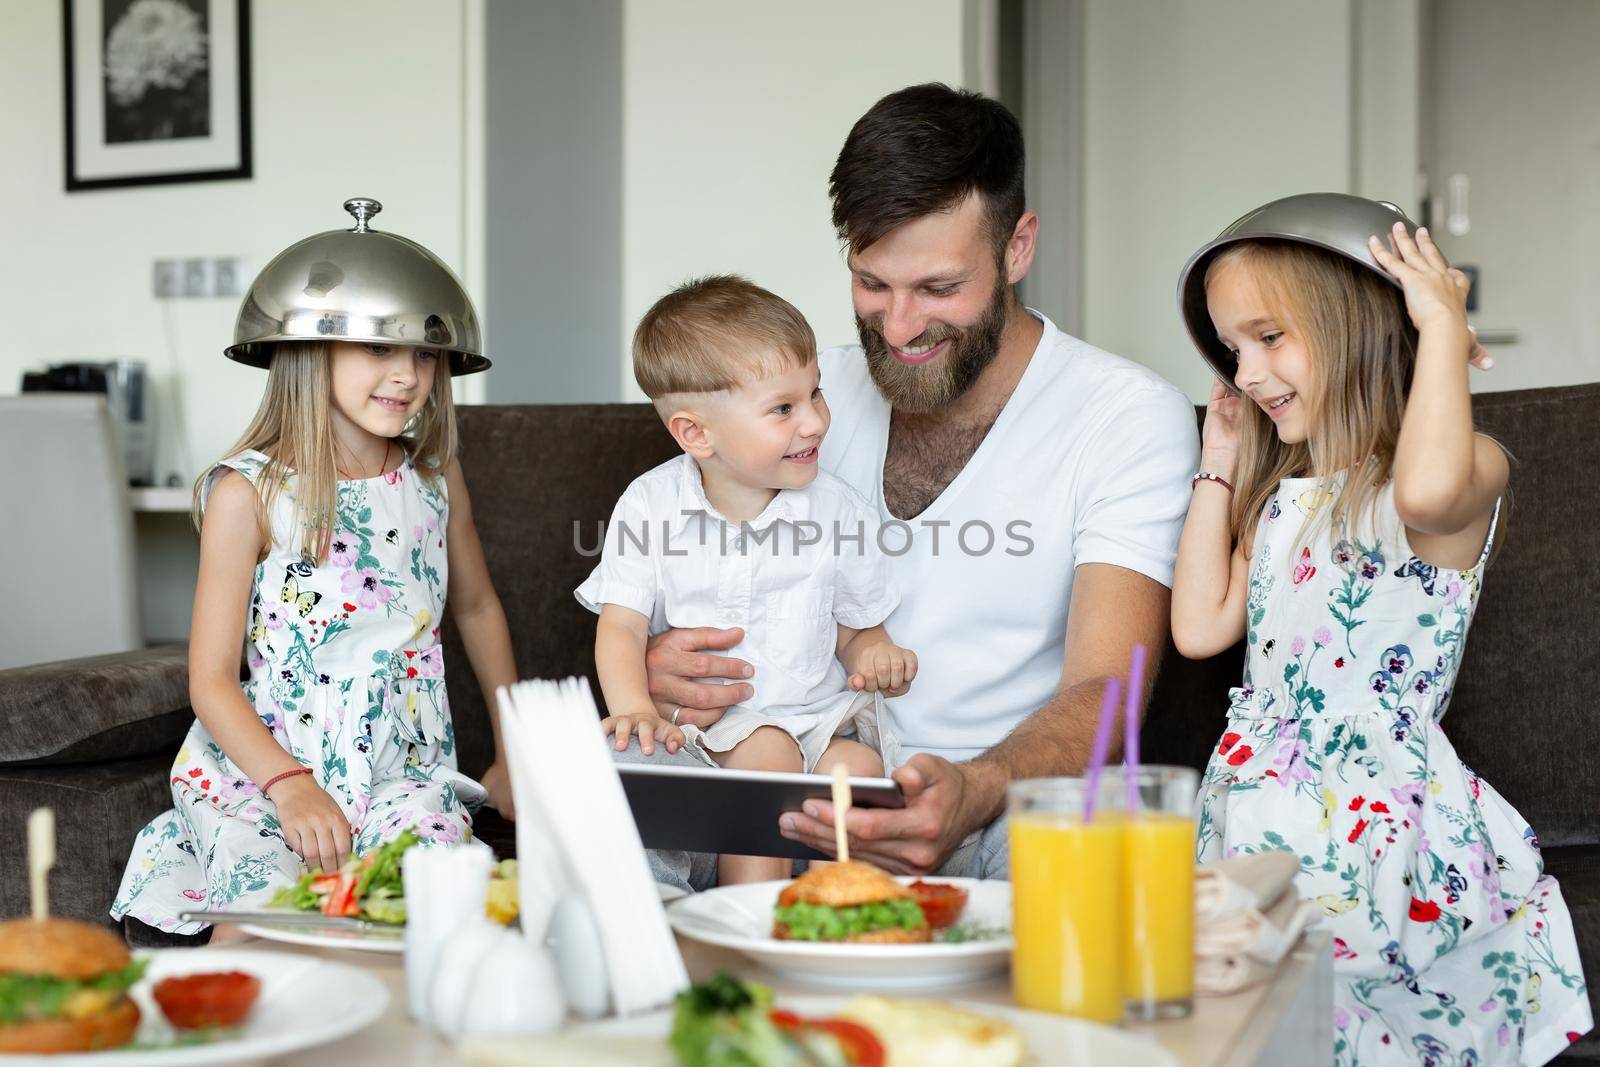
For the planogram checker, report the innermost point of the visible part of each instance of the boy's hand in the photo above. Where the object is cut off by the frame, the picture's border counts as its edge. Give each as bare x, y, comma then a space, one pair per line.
312, 822
649, 726
883, 668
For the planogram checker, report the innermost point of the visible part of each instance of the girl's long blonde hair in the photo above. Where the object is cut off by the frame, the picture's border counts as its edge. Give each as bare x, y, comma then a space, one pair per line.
294, 428
1363, 351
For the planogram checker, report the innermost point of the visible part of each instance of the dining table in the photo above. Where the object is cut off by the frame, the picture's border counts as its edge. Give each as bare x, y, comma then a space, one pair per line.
1285, 1019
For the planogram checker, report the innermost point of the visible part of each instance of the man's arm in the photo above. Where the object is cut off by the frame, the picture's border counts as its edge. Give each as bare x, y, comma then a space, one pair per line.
1111, 610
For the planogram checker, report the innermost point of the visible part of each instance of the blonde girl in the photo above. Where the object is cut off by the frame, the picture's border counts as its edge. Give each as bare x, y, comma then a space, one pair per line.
329, 538
1341, 524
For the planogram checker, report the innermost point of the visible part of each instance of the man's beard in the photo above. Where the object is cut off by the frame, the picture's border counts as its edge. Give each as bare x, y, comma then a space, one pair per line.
920, 388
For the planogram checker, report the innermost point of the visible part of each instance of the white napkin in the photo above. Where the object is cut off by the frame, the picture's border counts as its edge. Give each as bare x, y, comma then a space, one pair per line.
1247, 916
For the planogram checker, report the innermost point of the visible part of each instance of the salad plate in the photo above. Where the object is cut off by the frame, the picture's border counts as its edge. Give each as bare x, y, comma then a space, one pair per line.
642, 1040
740, 917
304, 1003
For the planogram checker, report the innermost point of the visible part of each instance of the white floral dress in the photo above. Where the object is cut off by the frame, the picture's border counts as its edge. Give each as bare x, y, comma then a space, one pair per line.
347, 671
1451, 945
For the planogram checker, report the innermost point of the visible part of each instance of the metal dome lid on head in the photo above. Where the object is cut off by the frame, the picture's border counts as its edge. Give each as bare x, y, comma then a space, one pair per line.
360, 285
1336, 222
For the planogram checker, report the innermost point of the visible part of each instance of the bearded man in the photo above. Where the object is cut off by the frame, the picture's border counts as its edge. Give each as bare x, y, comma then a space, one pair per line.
1032, 487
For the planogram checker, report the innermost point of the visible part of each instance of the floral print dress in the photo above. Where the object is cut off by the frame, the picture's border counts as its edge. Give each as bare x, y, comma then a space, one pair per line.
1451, 946
347, 671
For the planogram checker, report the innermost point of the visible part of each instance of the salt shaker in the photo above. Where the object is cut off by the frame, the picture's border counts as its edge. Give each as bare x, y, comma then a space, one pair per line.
446, 889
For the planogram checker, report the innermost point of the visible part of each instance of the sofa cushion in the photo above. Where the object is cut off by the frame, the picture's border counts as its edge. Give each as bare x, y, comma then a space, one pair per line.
99, 809
542, 480
1523, 713
1577, 869
111, 707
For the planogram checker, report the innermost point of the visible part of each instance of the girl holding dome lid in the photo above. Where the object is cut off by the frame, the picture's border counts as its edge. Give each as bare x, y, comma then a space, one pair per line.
1342, 525
329, 538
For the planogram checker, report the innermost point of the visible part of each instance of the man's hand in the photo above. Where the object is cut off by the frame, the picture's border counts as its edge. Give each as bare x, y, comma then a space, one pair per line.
497, 781
944, 803
675, 658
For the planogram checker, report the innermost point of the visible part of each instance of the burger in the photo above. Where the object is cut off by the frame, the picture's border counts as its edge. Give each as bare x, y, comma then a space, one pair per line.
64, 987
851, 901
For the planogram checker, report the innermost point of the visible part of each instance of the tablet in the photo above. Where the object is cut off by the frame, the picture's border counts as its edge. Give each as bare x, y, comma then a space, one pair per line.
710, 809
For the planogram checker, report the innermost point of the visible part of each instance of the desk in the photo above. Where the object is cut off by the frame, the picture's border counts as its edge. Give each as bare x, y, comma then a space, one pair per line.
167, 551
153, 499
1287, 1020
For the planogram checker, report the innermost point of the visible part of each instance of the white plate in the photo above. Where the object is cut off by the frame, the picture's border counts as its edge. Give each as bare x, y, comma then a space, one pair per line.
368, 941
305, 1002
325, 937
640, 1041
740, 917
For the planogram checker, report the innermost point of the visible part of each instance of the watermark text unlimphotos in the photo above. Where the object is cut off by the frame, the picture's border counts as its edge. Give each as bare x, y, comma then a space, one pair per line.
894, 537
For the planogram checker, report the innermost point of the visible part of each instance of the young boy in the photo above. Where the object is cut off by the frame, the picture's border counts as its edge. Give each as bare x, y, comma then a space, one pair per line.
744, 530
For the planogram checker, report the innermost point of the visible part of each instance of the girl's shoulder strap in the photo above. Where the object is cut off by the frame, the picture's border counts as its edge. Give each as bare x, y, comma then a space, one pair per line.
249, 463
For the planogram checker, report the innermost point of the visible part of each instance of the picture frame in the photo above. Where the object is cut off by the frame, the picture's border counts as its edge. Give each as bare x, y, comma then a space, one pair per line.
157, 91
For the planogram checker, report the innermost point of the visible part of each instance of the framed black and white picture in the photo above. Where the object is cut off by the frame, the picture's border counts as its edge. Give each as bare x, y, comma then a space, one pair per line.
156, 91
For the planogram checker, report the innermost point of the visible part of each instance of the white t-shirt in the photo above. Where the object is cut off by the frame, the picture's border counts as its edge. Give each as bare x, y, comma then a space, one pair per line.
1088, 462
786, 576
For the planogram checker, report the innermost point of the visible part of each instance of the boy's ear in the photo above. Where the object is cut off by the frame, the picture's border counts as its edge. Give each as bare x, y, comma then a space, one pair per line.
688, 428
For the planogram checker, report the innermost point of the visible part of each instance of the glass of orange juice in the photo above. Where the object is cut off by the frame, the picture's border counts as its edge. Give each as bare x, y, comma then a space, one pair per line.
1068, 908
1158, 864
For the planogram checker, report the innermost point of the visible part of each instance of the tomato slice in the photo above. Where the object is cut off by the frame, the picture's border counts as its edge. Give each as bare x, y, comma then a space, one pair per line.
941, 902
342, 901
325, 883
861, 1046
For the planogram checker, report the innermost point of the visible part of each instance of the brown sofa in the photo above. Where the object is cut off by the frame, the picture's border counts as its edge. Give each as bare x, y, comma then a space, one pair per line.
95, 738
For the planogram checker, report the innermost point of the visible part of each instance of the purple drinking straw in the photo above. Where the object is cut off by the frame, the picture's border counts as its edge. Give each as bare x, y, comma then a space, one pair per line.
1130, 744
1102, 745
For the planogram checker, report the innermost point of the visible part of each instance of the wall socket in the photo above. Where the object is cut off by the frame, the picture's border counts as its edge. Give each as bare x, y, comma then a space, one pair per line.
198, 277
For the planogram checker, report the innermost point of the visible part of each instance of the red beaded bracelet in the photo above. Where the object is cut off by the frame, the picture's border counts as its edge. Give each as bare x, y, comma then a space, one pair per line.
275, 779
1207, 476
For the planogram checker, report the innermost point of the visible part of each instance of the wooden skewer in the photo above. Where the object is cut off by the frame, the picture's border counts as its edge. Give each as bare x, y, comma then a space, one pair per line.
841, 805
41, 857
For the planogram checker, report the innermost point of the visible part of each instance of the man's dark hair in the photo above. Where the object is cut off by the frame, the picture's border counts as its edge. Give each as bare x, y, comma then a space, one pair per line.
925, 149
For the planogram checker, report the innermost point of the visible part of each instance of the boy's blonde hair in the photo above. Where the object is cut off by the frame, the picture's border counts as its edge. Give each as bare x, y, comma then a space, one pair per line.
294, 427
714, 334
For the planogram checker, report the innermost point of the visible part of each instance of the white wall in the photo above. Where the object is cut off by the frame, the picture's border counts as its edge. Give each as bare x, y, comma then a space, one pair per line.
1194, 114
359, 97
733, 113
1516, 109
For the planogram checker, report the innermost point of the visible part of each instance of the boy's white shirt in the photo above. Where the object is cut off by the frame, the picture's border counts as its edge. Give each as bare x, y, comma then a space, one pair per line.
669, 555
1093, 452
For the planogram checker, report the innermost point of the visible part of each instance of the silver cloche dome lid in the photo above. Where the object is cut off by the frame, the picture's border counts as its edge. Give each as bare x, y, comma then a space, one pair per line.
358, 285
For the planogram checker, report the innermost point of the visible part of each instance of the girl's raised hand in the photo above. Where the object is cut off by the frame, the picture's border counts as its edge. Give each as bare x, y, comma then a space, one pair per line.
1219, 441
1436, 293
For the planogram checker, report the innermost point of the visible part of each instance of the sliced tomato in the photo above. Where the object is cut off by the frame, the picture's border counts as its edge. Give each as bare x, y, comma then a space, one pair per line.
861, 1046
324, 884
342, 901
941, 902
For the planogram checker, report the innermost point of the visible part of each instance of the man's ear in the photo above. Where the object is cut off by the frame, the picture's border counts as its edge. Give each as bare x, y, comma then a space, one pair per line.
688, 428
1019, 250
